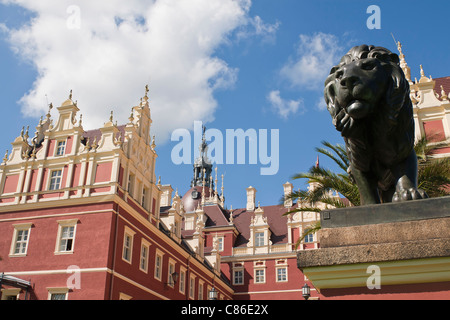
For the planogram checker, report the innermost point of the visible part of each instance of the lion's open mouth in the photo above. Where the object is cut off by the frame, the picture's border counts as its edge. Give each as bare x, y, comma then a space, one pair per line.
357, 109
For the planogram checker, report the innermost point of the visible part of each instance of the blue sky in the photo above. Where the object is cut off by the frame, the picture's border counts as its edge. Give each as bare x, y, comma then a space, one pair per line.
231, 64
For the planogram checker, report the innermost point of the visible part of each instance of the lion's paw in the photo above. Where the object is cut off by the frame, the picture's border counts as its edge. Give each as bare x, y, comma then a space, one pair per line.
409, 194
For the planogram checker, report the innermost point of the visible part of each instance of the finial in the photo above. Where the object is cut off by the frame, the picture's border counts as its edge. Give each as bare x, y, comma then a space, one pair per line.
111, 116
70, 94
222, 188
203, 186
443, 94
50, 107
131, 117
25, 137
153, 143
399, 47
210, 186
215, 181
5, 158
146, 90
422, 73
94, 144
231, 215
81, 120
159, 180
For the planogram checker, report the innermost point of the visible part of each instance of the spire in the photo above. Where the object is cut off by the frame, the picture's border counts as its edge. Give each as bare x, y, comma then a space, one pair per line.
222, 196
403, 64
144, 99
215, 181
203, 166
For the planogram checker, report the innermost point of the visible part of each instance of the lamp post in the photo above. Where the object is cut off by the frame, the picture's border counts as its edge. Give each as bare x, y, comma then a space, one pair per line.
306, 291
212, 294
173, 279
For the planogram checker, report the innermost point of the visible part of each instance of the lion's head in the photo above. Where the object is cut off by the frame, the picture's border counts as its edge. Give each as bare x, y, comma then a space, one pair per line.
367, 80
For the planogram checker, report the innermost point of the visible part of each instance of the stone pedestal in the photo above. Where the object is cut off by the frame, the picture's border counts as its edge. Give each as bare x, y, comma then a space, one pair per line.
395, 250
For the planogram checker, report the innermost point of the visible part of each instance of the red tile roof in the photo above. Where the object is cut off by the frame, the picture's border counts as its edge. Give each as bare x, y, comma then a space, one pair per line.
217, 217
277, 224
445, 83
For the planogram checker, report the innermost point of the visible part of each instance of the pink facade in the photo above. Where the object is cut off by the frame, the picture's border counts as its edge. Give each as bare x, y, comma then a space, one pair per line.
72, 226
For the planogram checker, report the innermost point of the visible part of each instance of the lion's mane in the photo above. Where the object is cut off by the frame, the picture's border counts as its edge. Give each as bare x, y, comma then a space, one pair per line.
386, 136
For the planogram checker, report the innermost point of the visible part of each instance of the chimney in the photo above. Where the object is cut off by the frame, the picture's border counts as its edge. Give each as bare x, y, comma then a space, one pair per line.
287, 191
251, 198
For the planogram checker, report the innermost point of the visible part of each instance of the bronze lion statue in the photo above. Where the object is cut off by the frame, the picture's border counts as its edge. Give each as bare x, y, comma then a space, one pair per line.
367, 96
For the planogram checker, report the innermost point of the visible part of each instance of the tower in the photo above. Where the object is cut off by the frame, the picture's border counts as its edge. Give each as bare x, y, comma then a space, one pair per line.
203, 167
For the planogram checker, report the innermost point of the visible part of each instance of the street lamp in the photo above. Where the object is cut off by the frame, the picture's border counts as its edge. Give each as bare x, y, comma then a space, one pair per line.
173, 279
212, 294
306, 291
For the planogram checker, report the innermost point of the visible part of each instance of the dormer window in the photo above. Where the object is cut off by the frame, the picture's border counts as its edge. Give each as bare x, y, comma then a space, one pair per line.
60, 148
220, 243
259, 239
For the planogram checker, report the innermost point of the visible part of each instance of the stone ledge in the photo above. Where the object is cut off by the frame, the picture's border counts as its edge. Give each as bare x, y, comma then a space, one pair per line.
374, 253
438, 228
386, 213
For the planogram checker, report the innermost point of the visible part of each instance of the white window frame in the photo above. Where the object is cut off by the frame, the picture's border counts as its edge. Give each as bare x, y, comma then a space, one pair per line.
11, 292
144, 197
201, 288
258, 277
241, 278
309, 238
259, 238
62, 291
72, 223
220, 242
128, 232
159, 256
143, 260
192, 287
60, 149
18, 228
131, 184
57, 184
170, 271
285, 275
238, 267
182, 285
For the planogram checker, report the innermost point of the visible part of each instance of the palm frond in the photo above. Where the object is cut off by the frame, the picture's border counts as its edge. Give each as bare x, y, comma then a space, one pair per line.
311, 230
339, 150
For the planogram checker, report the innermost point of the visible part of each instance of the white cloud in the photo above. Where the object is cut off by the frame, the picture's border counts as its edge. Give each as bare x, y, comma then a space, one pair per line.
284, 108
257, 27
315, 55
119, 47
321, 105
